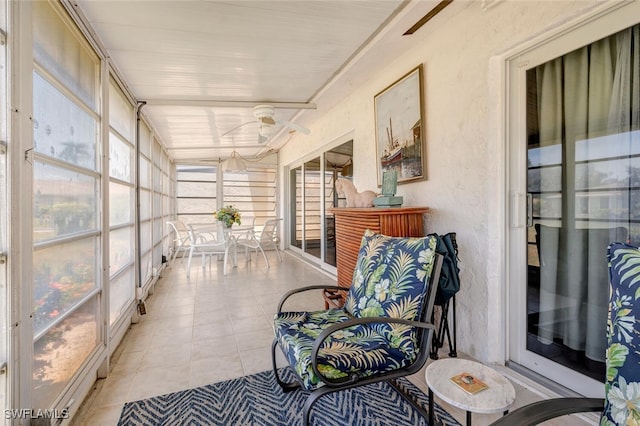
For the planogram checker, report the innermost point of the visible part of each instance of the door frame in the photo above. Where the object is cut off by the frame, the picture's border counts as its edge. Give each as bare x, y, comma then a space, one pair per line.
319, 152
510, 70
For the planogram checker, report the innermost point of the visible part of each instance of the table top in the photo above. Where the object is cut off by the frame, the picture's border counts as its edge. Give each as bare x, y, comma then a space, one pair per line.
498, 396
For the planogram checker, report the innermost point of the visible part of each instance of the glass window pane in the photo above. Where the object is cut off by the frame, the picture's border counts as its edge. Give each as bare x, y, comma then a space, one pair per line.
188, 189
64, 202
121, 244
253, 192
157, 179
120, 112
196, 173
61, 129
145, 204
120, 159
3, 200
196, 218
312, 206
145, 140
63, 275
157, 205
157, 256
296, 195
3, 82
145, 180
146, 267
120, 204
61, 52
59, 354
544, 179
165, 205
145, 236
194, 206
121, 292
604, 175
157, 230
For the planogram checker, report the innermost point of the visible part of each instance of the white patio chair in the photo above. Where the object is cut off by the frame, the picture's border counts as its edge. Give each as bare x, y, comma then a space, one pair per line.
248, 240
181, 237
209, 243
269, 235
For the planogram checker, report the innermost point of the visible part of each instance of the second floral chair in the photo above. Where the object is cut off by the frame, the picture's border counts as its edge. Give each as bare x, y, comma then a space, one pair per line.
621, 402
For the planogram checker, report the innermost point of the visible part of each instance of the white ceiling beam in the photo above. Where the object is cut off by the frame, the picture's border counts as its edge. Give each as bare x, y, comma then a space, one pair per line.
228, 104
218, 147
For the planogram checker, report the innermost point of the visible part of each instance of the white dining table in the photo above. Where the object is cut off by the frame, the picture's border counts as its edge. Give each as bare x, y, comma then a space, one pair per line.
214, 229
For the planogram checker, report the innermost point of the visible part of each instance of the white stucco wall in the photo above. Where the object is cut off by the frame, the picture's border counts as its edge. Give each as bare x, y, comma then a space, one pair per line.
466, 183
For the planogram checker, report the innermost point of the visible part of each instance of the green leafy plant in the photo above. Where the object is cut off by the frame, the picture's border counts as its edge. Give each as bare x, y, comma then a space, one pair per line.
228, 215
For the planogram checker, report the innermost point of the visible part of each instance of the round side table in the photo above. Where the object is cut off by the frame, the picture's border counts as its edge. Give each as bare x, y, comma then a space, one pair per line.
497, 397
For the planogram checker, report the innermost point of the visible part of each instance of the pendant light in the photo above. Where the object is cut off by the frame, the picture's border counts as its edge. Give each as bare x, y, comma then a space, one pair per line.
235, 163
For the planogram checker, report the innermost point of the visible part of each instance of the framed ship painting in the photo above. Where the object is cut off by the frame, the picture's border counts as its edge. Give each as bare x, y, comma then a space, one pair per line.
399, 128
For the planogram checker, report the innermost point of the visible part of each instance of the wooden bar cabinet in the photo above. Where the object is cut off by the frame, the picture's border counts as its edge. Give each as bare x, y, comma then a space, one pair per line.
350, 224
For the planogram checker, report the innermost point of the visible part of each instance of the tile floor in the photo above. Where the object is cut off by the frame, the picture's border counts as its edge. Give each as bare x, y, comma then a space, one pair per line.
211, 327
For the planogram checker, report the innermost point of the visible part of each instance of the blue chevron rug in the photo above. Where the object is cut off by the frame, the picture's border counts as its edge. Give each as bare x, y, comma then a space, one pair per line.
258, 400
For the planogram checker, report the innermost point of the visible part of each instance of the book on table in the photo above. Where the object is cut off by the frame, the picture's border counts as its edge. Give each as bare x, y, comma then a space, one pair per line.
469, 383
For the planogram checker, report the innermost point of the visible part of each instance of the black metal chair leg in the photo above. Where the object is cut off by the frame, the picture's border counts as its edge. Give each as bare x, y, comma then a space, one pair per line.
453, 346
435, 344
286, 387
431, 408
311, 399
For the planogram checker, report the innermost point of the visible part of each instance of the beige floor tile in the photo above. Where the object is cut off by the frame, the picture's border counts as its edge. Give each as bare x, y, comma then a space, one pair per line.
127, 362
216, 347
214, 369
254, 339
210, 328
168, 357
115, 389
159, 381
256, 360
102, 416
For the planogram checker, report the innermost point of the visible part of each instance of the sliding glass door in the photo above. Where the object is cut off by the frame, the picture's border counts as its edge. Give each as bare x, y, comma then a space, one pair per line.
312, 196
582, 165
312, 208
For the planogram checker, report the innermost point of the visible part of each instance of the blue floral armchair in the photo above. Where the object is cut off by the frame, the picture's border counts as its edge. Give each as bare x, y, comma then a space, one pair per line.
621, 403
380, 333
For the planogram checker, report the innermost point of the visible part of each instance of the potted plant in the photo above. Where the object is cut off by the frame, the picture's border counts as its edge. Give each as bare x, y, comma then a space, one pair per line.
228, 215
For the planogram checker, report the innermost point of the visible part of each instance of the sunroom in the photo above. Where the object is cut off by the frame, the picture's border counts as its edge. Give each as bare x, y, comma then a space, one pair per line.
117, 117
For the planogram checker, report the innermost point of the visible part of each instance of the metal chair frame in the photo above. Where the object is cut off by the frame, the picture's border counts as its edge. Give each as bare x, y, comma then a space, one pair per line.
209, 243
424, 332
181, 239
269, 235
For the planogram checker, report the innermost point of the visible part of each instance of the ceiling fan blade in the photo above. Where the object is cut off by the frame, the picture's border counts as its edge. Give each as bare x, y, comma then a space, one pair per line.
294, 126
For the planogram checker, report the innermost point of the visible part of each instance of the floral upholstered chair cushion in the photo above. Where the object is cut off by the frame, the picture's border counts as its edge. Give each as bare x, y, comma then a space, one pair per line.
390, 280
622, 387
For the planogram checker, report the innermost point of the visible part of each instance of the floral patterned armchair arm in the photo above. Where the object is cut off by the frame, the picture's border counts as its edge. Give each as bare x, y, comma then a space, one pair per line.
290, 293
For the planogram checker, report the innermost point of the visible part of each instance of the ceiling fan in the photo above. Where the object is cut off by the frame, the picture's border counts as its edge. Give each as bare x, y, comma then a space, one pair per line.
265, 116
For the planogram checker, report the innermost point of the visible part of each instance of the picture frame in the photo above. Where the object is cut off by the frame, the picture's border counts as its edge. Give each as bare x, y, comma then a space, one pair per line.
399, 124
